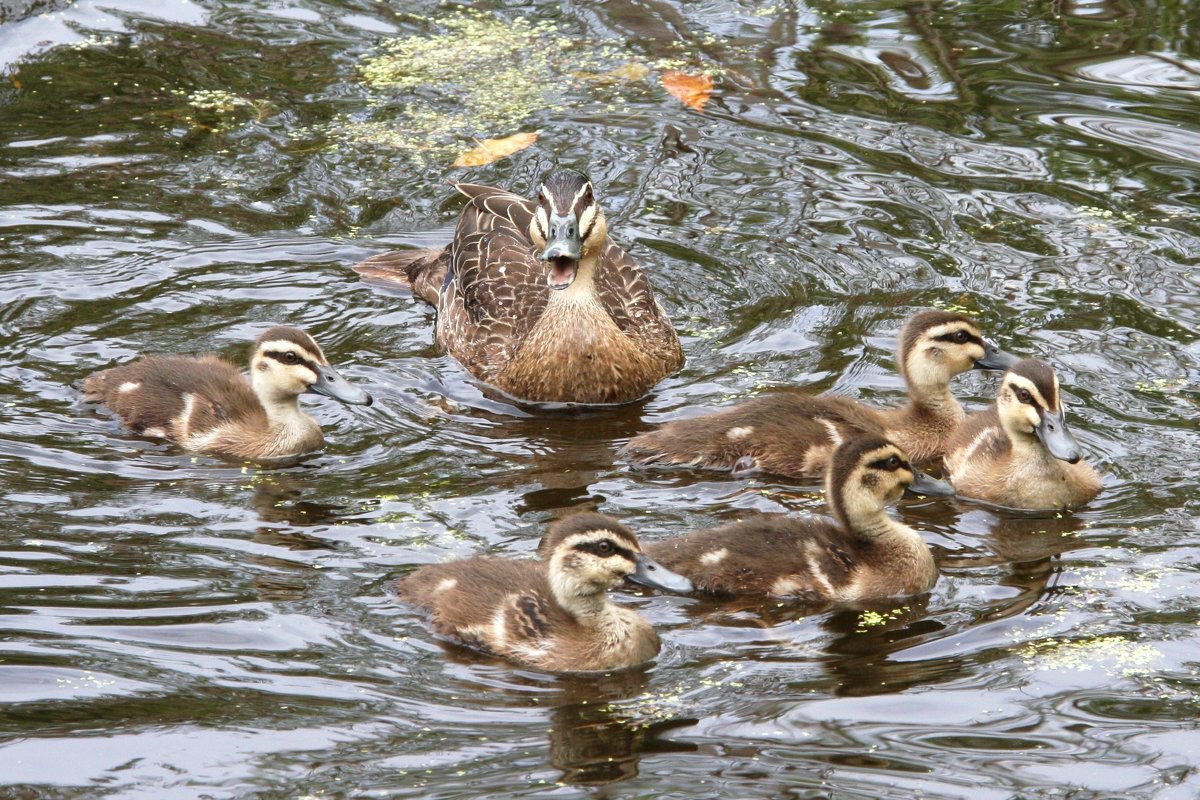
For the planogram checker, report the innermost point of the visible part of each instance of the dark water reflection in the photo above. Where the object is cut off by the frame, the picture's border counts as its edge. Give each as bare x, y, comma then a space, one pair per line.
177, 627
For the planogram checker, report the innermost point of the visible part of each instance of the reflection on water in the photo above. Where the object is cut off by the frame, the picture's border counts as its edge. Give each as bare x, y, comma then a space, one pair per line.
177, 176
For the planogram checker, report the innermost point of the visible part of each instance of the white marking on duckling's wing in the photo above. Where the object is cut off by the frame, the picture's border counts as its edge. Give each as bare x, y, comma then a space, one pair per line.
714, 557
741, 432
445, 584
835, 435
128, 386
812, 554
183, 422
959, 459
498, 631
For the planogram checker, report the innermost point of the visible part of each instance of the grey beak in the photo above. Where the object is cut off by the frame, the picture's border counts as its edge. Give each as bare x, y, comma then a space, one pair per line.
1053, 432
331, 384
654, 575
995, 358
929, 485
564, 240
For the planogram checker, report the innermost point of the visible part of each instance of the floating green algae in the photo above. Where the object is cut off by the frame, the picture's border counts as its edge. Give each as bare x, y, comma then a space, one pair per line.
875, 619
1114, 655
479, 77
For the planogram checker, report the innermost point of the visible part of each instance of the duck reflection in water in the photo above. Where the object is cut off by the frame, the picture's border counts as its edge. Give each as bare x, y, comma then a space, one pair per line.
599, 731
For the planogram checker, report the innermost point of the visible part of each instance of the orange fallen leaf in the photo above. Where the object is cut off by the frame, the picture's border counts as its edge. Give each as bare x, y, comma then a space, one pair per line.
490, 150
691, 90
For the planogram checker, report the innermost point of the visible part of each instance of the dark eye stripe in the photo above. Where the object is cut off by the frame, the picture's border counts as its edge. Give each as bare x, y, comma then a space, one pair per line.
281, 357
949, 338
887, 465
1033, 399
594, 549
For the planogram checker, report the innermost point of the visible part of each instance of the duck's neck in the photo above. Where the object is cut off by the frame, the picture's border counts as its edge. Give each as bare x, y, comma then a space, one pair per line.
589, 606
283, 409
933, 397
863, 515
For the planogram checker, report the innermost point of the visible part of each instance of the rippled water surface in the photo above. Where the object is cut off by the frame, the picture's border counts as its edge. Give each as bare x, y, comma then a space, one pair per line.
176, 175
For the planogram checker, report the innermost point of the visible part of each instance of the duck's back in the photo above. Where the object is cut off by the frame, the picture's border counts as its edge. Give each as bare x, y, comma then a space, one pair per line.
785, 556
783, 433
175, 398
466, 598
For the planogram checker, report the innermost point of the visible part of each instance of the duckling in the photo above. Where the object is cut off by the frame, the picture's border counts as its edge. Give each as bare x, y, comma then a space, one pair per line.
793, 434
205, 405
862, 554
551, 614
1020, 453
535, 300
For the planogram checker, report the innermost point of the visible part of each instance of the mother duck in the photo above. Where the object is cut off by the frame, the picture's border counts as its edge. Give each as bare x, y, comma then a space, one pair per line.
535, 300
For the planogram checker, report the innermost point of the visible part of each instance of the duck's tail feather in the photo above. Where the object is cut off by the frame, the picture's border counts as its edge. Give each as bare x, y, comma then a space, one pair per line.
422, 271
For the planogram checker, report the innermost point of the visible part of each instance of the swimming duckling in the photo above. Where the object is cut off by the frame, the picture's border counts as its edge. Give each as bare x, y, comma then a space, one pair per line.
862, 554
534, 299
793, 434
552, 614
205, 405
1020, 453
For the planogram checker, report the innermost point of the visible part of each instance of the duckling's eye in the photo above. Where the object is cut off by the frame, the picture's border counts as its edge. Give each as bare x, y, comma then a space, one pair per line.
1024, 396
604, 547
961, 337
893, 462
290, 357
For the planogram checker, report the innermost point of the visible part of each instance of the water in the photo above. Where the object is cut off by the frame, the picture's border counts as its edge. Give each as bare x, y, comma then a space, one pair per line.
179, 627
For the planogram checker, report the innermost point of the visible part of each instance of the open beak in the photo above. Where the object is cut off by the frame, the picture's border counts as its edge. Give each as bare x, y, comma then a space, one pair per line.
563, 250
995, 358
1053, 432
929, 485
654, 575
331, 384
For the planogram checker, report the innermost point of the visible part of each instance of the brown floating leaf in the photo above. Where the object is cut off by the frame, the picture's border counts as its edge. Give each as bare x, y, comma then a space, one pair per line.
691, 90
490, 150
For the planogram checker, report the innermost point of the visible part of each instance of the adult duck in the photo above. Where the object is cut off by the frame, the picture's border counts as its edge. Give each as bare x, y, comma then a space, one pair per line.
536, 300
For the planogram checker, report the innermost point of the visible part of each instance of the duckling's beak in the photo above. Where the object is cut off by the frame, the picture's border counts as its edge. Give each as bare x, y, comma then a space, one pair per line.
929, 485
995, 358
1053, 432
654, 575
563, 249
331, 384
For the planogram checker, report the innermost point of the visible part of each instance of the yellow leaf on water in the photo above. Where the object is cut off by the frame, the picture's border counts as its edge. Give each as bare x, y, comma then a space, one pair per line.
691, 90
490, 150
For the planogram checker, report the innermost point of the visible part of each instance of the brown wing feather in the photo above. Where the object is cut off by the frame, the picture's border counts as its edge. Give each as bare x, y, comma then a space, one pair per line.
626, 294
497, 289
798, 557
462, 598
424, 271
220, 392
784, 433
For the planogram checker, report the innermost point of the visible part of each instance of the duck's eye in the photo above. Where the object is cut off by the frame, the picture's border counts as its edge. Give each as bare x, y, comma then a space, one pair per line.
290, 357
961, 337
604, 547
894, 462
1024, 396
